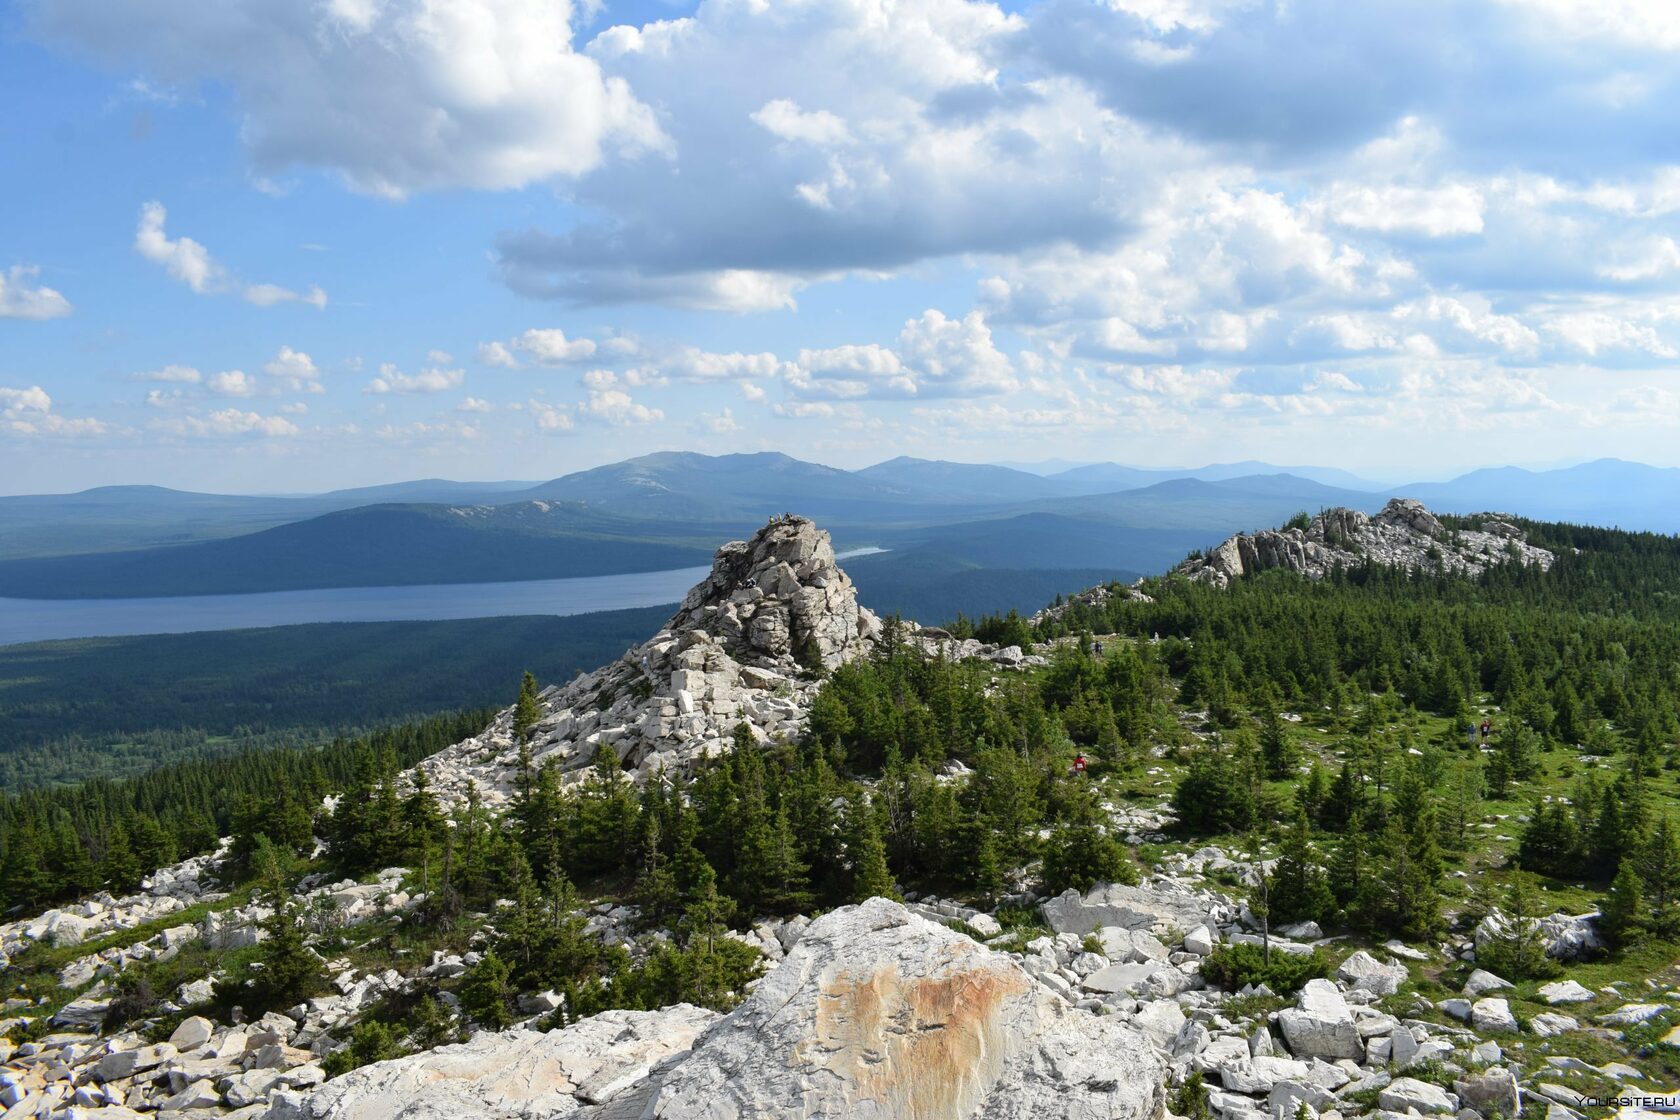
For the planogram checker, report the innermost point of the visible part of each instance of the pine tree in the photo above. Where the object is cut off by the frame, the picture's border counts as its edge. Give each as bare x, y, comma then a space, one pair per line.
527, 711
121, 869
1299, 889
486, 993
1622, 914
1658, 864
865, 851
26, 881
1277, 747
1517, 951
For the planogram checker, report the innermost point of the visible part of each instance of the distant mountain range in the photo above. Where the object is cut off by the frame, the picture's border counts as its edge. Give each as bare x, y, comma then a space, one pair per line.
947, 526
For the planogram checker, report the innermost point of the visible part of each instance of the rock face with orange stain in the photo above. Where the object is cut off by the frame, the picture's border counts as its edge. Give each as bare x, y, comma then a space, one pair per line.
879, 1013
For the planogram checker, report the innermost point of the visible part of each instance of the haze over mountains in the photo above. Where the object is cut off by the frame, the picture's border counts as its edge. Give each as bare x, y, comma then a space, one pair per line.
955, 533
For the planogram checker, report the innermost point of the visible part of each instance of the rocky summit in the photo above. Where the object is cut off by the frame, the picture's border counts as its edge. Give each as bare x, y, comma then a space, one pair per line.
1404, 535
746, 647
875, 1012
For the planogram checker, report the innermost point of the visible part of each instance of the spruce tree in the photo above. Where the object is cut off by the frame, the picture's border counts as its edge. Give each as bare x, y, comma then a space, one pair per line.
865, 851
1658, 864
1299, 888
527, 711
1622, 914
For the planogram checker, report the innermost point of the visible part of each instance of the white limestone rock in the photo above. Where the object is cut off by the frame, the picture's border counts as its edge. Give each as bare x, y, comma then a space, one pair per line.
507, 1075
1366, 972
1404, 535
1566, 991
882, 1013
1481, 982
1405, 1093
1320, 1025
1489, 1015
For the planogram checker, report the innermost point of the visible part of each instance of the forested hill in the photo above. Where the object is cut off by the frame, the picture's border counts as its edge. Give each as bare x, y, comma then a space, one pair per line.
1595, 639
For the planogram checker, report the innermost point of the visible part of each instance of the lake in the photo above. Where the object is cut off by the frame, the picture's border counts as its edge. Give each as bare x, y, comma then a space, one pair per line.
40, 620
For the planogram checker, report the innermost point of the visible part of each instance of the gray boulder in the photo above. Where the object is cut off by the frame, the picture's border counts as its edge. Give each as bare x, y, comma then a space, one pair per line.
1364, 971
1405, 1093
1320, 1025
512, 1074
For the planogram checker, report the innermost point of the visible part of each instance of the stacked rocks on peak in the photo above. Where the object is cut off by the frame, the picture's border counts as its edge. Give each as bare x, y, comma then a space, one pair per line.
1403, 535
744, 647
780, 600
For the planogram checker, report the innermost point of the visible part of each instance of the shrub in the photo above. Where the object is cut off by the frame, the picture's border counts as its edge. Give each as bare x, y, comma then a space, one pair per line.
1233, 966
1082, 855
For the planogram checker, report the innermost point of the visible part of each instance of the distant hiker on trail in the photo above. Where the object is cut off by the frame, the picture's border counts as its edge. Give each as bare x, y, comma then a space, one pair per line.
1472, 736
1079, 763
1487, 729
1099, 649
646, 669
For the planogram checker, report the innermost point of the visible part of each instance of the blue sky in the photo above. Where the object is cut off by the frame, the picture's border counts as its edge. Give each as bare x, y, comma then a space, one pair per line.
282, 246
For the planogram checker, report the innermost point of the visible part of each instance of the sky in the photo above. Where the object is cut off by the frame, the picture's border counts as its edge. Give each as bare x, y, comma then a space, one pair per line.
278, 245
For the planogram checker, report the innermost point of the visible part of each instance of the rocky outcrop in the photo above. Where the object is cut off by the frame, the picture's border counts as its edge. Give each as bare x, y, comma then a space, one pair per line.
875, 1012
746, 646
1403, 535
512, 1074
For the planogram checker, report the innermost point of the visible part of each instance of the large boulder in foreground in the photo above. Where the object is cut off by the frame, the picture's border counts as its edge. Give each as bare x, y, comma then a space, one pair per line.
880, 1013
876, 1012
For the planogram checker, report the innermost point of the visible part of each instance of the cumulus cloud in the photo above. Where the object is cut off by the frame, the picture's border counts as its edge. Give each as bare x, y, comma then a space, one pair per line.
614, 407
233, 383
295, 371
429, 380
497, 354
474, 404
550, 419
29, 412
550, 346
834, 138
22, 298
229, 422
191, 263
184, 259
395, 96
695, 365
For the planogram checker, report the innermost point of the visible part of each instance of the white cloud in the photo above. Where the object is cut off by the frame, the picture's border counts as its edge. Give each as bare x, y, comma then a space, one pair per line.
550, 346
21, 298
475, 404
172, 374
16, 402
614, 407
185, 259
717, 423
550, 418
496, 354
696, 365
784, 119
191, 263
397, 96
1453, 210
29, 412
267, 295
428, 380
295, 371
233, 383
954, 357
230, 422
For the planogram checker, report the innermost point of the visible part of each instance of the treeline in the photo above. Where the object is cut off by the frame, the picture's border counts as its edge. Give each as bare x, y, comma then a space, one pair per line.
59, 844
1594, 641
